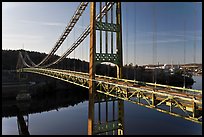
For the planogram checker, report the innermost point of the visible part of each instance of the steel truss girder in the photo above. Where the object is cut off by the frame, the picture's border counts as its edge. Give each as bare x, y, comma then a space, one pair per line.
191, 107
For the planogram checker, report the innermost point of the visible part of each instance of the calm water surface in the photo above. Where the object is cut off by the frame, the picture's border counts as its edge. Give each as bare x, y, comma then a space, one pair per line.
72, 120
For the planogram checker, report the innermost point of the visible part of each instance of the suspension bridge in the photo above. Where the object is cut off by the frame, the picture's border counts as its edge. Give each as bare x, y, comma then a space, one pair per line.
176, 101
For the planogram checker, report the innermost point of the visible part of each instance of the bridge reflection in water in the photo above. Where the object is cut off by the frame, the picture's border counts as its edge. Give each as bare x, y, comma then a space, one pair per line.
106, 114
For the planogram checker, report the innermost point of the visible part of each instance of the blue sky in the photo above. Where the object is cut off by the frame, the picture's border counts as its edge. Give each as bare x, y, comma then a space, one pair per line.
37, 26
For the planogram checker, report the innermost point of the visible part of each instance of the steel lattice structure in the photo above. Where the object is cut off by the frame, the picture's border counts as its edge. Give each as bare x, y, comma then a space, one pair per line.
162, 98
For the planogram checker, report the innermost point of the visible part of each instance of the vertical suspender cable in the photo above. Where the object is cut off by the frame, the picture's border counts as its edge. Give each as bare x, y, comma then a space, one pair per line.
106, 36
111, 31
126, 41
194, 56
106, 31
74, 53
135, 45
100, 29
82, 47
68, 59
184, 54
153, 46
108, 20
154, 43
63, 60
80, 57
87, 66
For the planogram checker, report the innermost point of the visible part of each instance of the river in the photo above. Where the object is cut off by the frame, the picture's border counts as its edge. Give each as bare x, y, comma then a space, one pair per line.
70, 118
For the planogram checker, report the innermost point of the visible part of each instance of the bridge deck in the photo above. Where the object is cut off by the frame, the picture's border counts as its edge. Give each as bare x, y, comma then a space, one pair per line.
164, 98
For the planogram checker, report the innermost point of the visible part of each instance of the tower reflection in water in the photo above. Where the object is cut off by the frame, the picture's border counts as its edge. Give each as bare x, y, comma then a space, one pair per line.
108, 115
22, 121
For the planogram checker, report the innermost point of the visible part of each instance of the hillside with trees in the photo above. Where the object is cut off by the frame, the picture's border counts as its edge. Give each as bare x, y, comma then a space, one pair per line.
10, 58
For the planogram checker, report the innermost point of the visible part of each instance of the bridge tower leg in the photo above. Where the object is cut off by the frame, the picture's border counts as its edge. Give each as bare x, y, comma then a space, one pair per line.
120, 65
115, 58
92, 67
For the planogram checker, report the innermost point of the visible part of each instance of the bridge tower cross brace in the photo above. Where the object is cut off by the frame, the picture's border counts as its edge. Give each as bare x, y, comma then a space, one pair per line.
100, 57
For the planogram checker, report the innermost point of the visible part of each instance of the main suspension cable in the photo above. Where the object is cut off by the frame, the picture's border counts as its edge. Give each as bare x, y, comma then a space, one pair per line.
26, 54
82, 37
67, 30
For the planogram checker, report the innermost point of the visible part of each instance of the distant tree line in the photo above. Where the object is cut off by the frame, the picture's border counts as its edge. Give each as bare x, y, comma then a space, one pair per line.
139, 73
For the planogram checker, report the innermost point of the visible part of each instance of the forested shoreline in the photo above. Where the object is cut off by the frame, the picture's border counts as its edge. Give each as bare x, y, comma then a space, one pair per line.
10, 58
